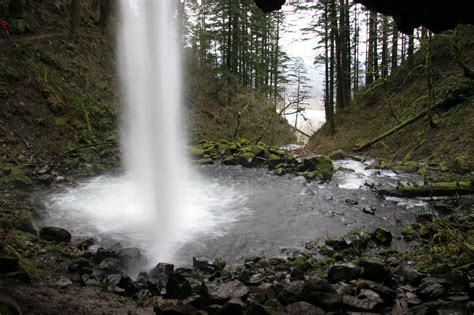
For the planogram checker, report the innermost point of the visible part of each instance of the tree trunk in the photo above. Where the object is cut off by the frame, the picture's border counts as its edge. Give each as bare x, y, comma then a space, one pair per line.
105, 8
394, 47
75, 16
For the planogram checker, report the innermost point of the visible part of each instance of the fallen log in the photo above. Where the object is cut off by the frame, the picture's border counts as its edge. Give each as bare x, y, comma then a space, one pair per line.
433, 190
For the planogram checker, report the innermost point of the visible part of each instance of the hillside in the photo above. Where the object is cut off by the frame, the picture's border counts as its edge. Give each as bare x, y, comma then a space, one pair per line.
384, 105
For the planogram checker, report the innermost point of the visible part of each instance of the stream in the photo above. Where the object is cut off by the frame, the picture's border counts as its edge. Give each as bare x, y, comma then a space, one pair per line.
233, 212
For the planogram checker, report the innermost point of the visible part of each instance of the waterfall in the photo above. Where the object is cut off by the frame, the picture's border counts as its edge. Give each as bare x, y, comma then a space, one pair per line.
153, 145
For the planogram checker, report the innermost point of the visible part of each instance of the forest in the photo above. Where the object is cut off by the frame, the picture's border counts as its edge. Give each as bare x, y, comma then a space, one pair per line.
236, 157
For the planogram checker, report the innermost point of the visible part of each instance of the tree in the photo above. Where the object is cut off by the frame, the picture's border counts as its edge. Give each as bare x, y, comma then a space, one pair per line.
105, 8
301, 89
394, 46
75, 16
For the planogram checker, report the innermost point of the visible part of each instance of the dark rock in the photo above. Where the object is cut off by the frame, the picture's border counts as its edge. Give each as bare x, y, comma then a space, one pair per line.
207, 265
369, 210
123, 282
424, 217
382, 236
366, 300
63, 282
103, 253
374, 270
194, 300
81, 266
214, 309
352, 202
409, 275
386, 293
178, 287
291, 292
275, 306
85, 244
300, 308
22, 276
358, 238
55, 234
222, 292
233, 307
111, 266
179, 310
160, 274
338, 244
8, 264
343, 272
431, 289
25, 223
429, 308
319, 292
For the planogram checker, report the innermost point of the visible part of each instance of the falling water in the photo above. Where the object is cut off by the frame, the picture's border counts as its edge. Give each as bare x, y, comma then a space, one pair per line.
150, 68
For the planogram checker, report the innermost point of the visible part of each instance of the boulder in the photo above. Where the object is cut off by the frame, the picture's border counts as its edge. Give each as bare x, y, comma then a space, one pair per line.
103, 253
321, 164
291, 292
207, 265
55, 234
81, 266
233, 307
131, 258
123, 282
382, 236
374, 270
160, 274
178, 287
343, 272
431, 289
366, 300
319, 292
220, 293
305, 308
111, 266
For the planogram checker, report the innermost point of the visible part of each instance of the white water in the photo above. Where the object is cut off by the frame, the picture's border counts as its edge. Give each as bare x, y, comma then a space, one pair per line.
159, 203
150, 68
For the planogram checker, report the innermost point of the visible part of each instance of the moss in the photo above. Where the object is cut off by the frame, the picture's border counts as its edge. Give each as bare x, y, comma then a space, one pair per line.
461, 165
409, 233
26, 264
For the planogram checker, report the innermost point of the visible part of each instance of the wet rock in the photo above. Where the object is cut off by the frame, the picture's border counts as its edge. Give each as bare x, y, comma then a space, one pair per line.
160, 274
338, 244
352, 202
374, 270
21, 276
409, 275
8, 264
63, 282
81, 266
369, 210
320, 164
431, 289
123, 282
382, 236
366, 300
300, 308
193, 300
103, 253
262, 293
319, 292
55, 234
435, 307
131, 258
343, 272
233, 307
358, 238
111, 266
25, 223
214, 309
205, 161
85, 244
178, 287
179, 310
205, 264
220, 293
386, 293
291, 292
274, 306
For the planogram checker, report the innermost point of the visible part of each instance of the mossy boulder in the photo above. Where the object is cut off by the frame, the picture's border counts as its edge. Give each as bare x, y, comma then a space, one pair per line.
55, 234
321, 164
409, 233
382, 236
25, 223
461, 165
